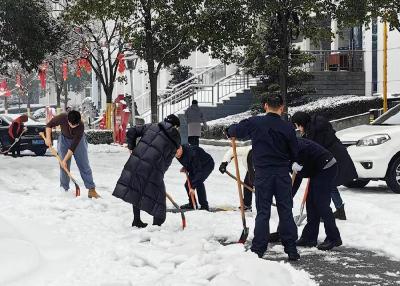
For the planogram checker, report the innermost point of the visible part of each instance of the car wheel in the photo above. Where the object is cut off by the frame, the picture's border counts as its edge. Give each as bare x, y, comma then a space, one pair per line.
357, 184
40, 152
393, 176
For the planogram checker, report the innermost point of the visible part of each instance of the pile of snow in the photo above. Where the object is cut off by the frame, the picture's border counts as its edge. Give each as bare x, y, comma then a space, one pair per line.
332, 102
308, 107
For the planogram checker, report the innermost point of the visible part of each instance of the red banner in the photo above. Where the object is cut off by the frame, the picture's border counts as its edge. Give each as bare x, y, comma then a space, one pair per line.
121, 63
65, 70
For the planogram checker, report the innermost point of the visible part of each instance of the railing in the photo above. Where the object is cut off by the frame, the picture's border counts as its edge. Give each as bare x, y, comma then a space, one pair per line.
336, 60
205, 94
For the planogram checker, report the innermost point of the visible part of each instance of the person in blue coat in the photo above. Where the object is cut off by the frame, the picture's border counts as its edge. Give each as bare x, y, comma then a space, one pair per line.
274, 147
320, 166
199, 165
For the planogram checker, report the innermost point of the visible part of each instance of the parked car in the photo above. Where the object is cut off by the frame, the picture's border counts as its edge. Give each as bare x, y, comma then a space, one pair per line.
375, 150
30, 140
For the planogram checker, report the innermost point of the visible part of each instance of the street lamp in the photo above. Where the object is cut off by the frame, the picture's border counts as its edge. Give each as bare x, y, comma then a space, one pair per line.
131, 62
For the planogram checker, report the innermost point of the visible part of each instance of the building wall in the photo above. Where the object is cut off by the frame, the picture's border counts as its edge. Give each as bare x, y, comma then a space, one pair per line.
393, 60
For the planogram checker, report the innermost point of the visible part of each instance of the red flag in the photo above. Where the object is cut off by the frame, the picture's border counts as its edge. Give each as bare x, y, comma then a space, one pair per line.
3, 87
42, 75
18, 81
78, 69
121, 63
65, 70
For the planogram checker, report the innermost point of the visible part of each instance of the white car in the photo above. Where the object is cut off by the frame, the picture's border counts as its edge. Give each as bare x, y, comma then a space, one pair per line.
375, 150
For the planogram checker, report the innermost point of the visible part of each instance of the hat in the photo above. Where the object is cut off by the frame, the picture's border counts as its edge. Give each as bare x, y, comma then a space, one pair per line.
173, 119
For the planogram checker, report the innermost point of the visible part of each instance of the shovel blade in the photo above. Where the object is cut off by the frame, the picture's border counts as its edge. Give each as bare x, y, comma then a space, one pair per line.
244, 235
299, 219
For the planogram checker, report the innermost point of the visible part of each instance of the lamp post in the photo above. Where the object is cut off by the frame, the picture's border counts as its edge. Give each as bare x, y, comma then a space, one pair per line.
131, 62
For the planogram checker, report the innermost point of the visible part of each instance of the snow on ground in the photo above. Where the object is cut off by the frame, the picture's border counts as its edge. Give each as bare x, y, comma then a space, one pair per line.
49, 237
319, 103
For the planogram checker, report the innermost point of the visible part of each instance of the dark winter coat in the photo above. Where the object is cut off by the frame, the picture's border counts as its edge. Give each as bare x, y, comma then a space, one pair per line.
313, 157
197, 162
274, 142
142, 180
321, 131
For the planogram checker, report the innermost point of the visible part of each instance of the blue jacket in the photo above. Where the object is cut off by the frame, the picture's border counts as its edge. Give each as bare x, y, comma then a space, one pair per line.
274, 142
197, 162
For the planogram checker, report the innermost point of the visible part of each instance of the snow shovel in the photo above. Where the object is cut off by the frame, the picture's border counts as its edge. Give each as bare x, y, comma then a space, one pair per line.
301, 217
192, 193
55, 154
245, 232
245, 185
16, 140
180, 210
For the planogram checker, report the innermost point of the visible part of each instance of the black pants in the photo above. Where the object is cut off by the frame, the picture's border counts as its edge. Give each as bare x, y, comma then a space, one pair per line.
280, 187
136, 217
247, 195
318, 206
200, 188
194, 140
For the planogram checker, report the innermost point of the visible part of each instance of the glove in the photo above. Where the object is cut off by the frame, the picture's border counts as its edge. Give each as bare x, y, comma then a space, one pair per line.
227, 133
222, 167
296, 167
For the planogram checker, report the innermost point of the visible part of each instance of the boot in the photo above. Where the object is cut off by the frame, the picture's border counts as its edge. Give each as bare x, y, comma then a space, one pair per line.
328, 244
340, 213
92, 194
305, 243
138, 224
293, 256
247, 209
187, 207
274, 237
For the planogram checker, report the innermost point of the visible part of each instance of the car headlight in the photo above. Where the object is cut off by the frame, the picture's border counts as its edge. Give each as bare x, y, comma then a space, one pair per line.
373, 140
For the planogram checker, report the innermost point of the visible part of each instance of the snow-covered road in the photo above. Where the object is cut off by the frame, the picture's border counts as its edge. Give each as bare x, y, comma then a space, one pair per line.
52, 238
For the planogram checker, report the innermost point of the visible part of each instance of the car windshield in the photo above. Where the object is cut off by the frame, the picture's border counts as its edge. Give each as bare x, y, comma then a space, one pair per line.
392, 117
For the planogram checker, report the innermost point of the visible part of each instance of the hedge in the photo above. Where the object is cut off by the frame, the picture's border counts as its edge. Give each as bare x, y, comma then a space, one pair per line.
94, 136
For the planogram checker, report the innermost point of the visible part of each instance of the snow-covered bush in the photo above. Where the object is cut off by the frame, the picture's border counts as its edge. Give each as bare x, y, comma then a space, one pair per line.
94, 136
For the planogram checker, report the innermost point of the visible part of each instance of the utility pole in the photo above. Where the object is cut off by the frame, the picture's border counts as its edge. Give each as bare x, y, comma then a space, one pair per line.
385, 42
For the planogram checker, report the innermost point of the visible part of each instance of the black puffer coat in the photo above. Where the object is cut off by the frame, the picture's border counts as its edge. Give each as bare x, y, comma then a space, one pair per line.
142, 180
321, 131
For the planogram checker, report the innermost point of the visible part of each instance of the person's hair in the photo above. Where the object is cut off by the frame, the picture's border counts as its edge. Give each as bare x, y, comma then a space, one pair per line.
173, 119
194, 101
301, 118
74, 117
273, 100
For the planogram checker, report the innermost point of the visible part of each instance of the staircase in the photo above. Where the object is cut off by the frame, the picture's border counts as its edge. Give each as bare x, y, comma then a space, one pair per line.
217, 95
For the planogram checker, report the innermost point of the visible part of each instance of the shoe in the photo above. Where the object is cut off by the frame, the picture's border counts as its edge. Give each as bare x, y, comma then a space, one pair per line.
328, 245
206, 208
340, 213
139, 224
248, 209
186, 207
92, 194
305, 243
274, 237
293, 256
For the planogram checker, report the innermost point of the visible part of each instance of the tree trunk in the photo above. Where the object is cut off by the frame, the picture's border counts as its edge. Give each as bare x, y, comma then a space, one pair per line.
153, 97
65, 95
58, 91
284, 57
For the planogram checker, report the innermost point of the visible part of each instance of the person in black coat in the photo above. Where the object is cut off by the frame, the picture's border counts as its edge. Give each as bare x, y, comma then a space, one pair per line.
317, 128
274, 147
320, 166
199, 165
142, 180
